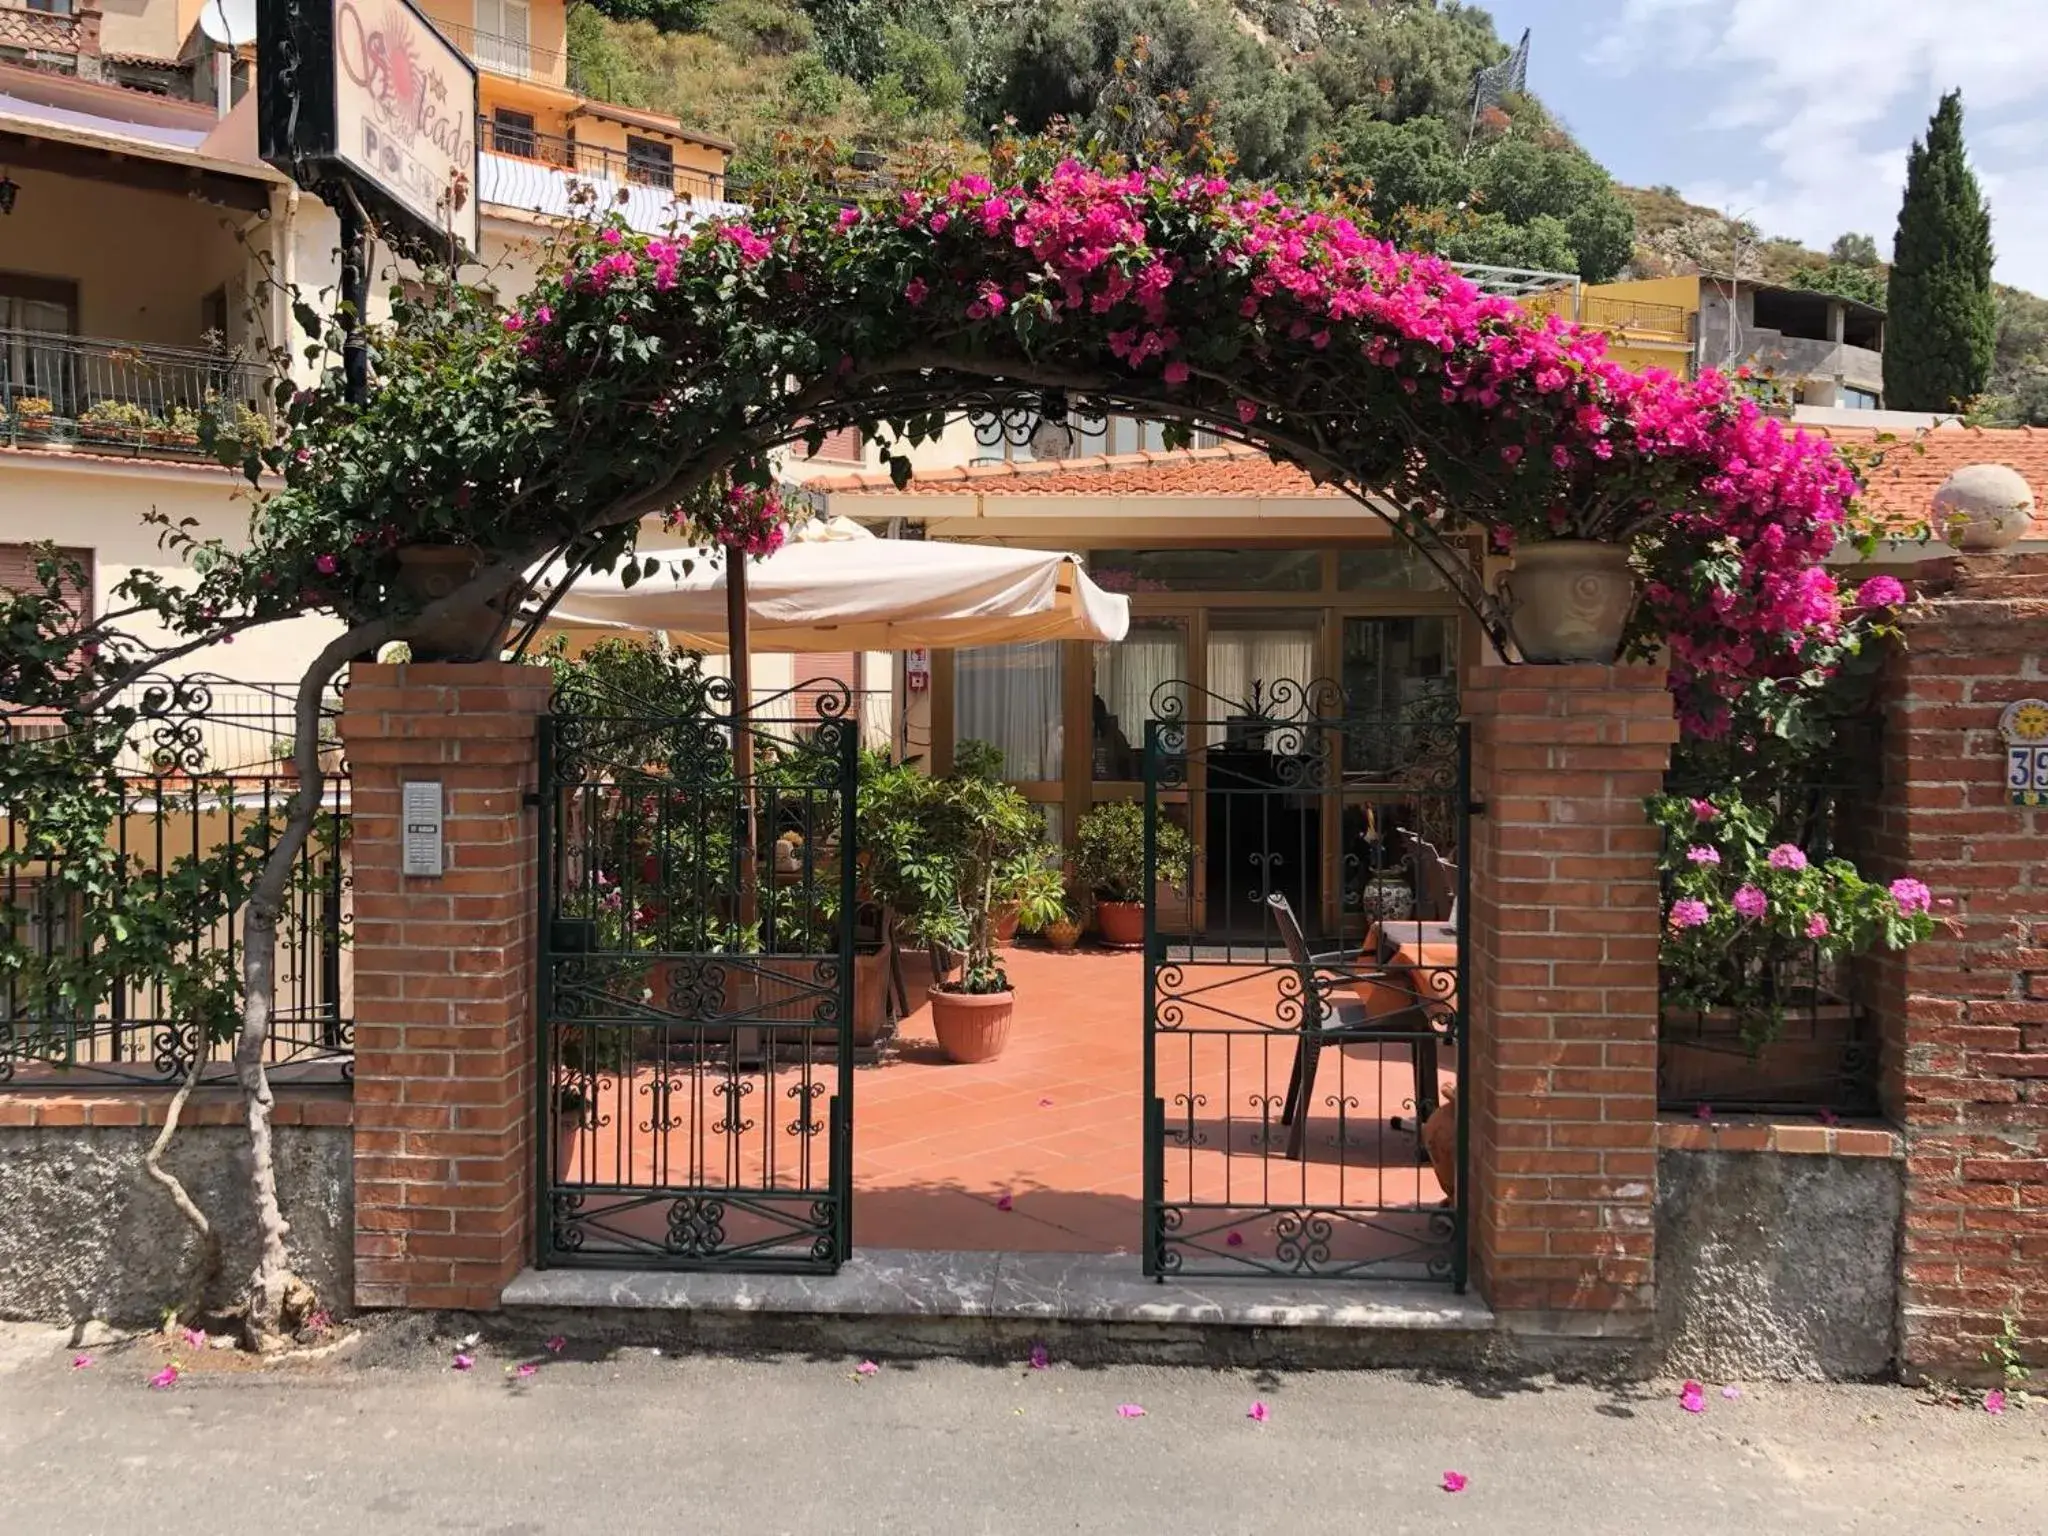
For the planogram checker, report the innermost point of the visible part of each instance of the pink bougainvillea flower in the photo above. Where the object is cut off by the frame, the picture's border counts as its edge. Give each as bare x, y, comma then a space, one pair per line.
1826, 1116
1750, 902
1129, 1411
1176, 372
462, 1363
1787, 856
1004, 1203
1235, 1240
1994, 1401
1731, 1393
1256, 1413
1040, 1358
195, 1338
1704, 1112
326, 565
867, 1368
1454, 1482
80, 1362
1881, 592
1045, 1103
555, 1345
525, 1369
1817, 925
1700, 853
1246, 411
1911, 896
167, 1377
1692, 1397
1689, 913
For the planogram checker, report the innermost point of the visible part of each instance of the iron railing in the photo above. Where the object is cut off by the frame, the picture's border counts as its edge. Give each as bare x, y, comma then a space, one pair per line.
497, 136
1663, 320
124, 395
1792, 1033
514, 56
207, 764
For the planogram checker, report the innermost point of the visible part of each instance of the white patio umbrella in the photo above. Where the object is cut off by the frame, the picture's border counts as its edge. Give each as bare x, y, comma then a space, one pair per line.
836, 587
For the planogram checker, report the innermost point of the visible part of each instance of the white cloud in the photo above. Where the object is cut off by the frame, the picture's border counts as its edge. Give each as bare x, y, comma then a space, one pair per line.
1830, 93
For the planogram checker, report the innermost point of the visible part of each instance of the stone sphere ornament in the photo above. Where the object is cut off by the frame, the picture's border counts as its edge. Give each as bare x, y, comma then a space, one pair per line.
1983, 506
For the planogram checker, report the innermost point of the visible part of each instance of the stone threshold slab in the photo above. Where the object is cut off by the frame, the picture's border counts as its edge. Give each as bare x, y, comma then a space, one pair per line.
1061, 1287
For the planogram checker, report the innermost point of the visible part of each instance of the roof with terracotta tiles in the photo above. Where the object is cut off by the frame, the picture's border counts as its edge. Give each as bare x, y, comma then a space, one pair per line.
1900, 484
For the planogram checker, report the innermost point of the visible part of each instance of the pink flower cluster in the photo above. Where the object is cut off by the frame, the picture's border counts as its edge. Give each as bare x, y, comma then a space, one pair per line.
1227, 294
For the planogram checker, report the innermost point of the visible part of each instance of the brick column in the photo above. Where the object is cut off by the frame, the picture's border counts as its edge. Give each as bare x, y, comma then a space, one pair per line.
1563, 1012
444, 982
1964, 1016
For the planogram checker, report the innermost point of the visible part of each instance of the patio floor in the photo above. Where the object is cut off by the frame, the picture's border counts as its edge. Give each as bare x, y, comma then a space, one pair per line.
1053, 1131
1055, 1123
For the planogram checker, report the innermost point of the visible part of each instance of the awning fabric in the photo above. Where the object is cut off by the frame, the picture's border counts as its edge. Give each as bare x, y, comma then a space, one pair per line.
836, 587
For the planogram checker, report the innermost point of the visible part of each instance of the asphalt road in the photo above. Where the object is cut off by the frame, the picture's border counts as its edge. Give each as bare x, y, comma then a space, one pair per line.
382, 1440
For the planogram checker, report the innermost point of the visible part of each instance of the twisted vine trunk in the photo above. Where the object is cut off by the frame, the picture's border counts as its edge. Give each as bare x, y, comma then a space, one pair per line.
207, 1269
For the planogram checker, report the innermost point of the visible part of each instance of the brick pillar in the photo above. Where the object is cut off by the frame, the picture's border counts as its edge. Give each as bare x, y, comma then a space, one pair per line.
444, 982
1964, 1016
1563, 1013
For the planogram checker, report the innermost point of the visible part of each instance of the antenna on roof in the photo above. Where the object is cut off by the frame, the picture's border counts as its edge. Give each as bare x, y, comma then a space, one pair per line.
228, 25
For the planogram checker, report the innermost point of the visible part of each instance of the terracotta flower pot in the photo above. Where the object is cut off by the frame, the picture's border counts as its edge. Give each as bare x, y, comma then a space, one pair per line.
1064, 934
1005, 918
972, 1026
1122, 923
428, 572
1569, 600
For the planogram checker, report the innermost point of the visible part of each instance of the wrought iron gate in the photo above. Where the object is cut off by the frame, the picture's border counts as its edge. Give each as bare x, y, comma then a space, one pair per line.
1305, 985
696, 997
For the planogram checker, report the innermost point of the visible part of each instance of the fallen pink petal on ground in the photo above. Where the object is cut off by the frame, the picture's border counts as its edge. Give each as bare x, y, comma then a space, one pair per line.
1705, 1112
195, 1338
1045, 1103
80, 1362
1129, 1411
867, 1368
526, 1370
167, 1377
1040, 1358
1731, 1393
1004, 1203
1256, 1413
555, 1345
1692, 1397
1994, 1401
1454, 1482
1235, 1240
462, 1362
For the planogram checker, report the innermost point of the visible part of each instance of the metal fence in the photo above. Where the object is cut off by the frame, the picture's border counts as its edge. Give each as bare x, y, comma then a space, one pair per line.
207, 764
123, 395
500, 136
1794, 1035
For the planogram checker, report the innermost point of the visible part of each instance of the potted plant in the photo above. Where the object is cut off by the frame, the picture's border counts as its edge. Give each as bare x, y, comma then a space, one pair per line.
1752, 928
114, 421
1109, 862
1040, 894
33, 413
429, 572
1569, 599
940, 850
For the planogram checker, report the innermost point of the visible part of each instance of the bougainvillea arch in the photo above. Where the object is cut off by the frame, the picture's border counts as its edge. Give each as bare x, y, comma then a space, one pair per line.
644, 372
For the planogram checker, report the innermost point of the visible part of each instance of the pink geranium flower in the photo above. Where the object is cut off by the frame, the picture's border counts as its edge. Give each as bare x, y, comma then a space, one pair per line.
1750, 902
1700, 853
1689, 913
1911, 896
1787, 856
1817, 925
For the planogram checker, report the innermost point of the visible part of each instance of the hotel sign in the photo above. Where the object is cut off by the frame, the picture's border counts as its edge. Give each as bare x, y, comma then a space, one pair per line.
367, 93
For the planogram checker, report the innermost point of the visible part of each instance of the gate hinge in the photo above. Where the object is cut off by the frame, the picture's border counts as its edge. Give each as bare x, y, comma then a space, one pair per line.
1475, 808
531, 797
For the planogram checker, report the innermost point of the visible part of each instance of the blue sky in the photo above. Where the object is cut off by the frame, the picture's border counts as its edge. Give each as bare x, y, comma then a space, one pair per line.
1798, 113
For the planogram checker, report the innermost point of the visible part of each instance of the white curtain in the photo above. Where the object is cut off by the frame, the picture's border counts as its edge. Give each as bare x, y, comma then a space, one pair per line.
1240, 657
1127, 675
1010, 695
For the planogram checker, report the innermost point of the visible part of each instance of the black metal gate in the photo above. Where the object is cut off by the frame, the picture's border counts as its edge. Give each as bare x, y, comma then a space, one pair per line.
1305, 985
696, 986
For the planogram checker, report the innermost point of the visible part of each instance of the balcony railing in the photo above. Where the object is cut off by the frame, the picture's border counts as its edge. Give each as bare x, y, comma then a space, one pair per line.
124, 396
513, 56
596, 161
47, 36
1663, 321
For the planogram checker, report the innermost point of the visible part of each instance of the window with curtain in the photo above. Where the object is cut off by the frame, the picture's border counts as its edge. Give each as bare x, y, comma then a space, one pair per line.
1249, 653
503, 30
1009, 696
1128, 675
32, 308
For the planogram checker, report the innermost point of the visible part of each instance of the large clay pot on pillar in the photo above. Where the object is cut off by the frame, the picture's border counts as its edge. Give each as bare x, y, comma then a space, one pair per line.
1569, 600
428, 572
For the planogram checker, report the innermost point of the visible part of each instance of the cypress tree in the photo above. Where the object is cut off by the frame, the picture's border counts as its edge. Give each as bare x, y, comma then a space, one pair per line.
1942, 323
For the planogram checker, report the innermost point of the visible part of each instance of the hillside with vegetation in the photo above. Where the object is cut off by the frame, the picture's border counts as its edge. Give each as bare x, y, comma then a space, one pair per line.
1373, 95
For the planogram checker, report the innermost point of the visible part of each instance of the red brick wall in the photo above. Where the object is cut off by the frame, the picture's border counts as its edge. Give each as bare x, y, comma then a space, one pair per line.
1964, 1017
1563, 933
444, 1087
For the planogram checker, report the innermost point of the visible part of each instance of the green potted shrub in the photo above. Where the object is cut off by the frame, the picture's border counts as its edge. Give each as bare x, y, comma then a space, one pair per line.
1040, 893
1109, 862
32, 413
115, 421
939, 850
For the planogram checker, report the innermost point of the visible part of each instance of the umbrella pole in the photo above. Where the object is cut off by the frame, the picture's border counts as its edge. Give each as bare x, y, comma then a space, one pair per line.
742, 725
